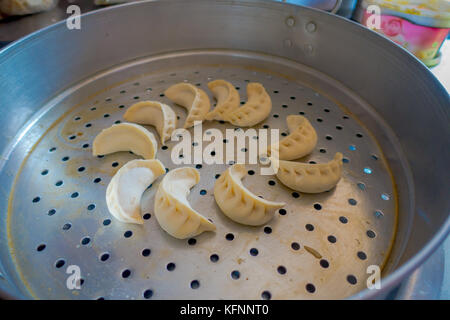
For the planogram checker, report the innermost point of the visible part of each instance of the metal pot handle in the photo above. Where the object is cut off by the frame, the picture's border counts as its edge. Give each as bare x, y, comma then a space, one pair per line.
337, 6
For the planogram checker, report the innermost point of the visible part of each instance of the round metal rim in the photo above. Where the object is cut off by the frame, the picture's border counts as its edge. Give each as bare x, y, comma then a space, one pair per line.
390, 281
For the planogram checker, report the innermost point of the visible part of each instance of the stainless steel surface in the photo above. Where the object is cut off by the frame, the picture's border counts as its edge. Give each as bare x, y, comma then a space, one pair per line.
387, 116
426, 282
13, 28
71, 138
432, 279
445, 287
442, 73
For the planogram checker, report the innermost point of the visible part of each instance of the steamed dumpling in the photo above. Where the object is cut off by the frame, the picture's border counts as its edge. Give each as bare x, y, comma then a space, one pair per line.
153, 113
124, 192
194, 99
310, 178
255, 110
227, 99
300, 142
125, 137
240, 204
172, 209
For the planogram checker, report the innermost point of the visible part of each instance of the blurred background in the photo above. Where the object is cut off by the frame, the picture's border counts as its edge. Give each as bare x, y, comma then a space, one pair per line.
419, 26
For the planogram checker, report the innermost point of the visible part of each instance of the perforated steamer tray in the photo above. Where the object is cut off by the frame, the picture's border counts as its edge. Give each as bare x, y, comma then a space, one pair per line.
319, 246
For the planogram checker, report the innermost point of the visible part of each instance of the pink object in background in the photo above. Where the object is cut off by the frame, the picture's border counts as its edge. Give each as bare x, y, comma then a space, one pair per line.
424, 42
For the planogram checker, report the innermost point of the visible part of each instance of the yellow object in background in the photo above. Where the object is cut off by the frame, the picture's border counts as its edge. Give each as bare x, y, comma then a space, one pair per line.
437, 9
418, 26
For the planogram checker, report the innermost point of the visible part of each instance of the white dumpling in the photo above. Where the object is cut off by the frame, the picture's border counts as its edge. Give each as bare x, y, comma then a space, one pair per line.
194, 99
125, 137
124, 192
255, 110
310, 178
240, 204
301, 141
227, 99
153, 113
172, 209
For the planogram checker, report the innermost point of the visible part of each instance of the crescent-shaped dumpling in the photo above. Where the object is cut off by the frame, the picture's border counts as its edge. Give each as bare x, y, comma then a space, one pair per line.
125, 137
240, 204
153, 113
301, 141
194, 99
227, 99
310, 178
255, 110
172, 209
124, 192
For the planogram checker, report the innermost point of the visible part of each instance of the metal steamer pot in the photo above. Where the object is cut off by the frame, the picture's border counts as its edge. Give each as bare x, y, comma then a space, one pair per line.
366, 97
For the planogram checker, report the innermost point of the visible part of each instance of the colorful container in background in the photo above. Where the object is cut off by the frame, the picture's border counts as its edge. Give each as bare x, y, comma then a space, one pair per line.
417, 25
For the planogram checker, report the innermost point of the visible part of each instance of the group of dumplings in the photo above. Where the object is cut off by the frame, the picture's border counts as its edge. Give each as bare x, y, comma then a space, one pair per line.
304, 177
196, 101
171, 207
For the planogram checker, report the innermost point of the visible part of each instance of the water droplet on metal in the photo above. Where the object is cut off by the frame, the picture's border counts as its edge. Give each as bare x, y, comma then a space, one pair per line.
309, 48
290, 21
311, 27
378, 214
